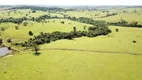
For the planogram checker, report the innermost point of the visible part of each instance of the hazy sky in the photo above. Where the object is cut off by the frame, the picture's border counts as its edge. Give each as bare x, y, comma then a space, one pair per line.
71, 2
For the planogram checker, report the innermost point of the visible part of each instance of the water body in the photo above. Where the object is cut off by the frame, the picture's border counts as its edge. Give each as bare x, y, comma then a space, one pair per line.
4, 51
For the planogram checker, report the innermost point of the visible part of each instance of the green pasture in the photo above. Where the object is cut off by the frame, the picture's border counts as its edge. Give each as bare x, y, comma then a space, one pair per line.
22, 33
111, 57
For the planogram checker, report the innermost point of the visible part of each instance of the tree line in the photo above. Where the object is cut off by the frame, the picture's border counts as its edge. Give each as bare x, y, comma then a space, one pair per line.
13, 20
125, 24
41, 8
57, 35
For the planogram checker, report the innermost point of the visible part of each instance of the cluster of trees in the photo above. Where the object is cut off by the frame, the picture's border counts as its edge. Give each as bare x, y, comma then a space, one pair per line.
41, 8
42, 18
100, 28
48, 37
13, 20
125, 23
113, 14
96, 23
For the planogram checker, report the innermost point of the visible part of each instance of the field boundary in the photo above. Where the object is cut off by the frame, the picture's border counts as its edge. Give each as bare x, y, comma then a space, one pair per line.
85, 50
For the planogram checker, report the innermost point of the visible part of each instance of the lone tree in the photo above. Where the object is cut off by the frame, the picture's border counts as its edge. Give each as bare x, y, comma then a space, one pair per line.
2, 29
134, 41
36, 49
74, 29
16, 27
117, 30
31, 33
62, 22
9, 40
84, 27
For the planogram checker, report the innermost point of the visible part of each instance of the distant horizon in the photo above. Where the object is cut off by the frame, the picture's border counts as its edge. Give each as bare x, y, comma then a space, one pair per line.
59, 5
74, 2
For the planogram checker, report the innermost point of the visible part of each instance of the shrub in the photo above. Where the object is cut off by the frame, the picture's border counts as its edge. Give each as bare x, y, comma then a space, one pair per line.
16, 27
74, 29
33, 11
2, 29
36, 53
36, 49
134, 41
9, 40
62, 22
9, 48
117, 30
30, 33
25, 23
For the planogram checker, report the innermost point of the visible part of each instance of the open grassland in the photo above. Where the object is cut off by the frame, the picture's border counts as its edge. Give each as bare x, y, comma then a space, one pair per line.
88, 14
65, 65
121, 41
77, 65
127, 14
110, 57
19, 13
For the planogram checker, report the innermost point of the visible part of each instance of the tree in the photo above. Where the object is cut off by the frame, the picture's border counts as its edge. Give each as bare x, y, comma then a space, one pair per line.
25, 23
34, 11
9, 40
0, 41
30, 33
134, 41
74, 29
26, 14
16, 27
84, 27
36, 49
117, 30
2, 29
33, 18
62, 22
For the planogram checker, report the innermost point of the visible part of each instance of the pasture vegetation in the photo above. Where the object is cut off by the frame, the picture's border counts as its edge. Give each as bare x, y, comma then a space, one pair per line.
115, 54
128, 14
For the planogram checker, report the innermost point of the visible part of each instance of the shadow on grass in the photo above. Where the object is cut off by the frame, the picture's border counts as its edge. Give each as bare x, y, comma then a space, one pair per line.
36, 53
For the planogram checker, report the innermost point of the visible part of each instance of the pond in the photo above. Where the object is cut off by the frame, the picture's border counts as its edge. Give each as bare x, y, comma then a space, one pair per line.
4, 51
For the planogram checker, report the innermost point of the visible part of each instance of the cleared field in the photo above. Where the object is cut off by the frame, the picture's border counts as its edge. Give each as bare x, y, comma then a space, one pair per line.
77, 65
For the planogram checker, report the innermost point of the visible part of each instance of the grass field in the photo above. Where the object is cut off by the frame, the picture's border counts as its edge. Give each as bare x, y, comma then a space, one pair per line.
115, 42
19, 13
36, 28
77, 65
129, 16
110, 57
126, 16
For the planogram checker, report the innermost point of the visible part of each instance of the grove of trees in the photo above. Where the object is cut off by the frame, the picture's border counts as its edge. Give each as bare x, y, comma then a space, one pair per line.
125, 24
48, 37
